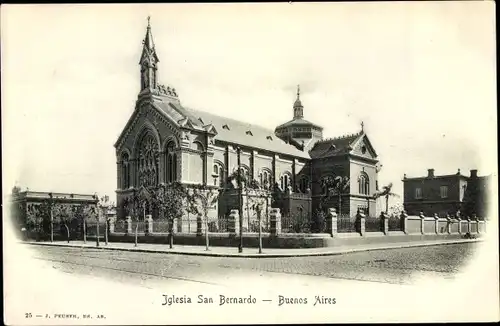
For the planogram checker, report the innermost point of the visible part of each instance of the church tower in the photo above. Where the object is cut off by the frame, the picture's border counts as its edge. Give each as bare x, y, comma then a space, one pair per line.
149, 62
298, 109
298, 131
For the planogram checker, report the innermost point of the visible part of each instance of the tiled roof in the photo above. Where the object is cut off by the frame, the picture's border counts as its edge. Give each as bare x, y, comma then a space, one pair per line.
296, 122
334, 146
236, 132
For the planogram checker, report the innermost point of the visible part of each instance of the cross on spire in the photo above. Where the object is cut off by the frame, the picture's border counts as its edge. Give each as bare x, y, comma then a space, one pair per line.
149, 17
298, 91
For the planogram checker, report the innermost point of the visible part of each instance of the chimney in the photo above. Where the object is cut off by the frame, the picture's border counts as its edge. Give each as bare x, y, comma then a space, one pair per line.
430, 173
473, 173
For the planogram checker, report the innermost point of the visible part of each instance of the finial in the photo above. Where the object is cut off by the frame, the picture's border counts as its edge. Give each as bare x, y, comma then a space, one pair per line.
149, 17
362, 125
298, 91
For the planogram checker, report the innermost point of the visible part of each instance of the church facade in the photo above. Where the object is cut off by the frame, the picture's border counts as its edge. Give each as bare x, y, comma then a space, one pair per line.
164, 141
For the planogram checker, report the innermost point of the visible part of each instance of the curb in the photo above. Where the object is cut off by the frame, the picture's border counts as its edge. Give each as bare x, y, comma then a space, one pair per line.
256, 255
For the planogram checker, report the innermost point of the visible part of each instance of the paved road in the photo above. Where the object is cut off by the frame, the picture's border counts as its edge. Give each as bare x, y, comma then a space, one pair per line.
395, 266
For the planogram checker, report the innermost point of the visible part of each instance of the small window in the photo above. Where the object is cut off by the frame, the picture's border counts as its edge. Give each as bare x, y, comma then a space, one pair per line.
418, 193
363, 149
444, 191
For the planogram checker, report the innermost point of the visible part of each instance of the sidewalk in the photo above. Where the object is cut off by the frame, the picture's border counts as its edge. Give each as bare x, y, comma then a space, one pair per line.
247, 252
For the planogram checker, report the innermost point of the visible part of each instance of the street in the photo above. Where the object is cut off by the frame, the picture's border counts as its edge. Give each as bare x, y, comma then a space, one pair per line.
394, 266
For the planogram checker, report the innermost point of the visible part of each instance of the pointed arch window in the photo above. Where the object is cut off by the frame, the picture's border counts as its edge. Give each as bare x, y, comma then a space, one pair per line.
148, 161
171, 163
304, 184
364, 184
218, 175
285, 181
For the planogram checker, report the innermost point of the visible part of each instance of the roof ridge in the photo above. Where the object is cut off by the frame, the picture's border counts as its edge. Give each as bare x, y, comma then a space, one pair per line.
246, 123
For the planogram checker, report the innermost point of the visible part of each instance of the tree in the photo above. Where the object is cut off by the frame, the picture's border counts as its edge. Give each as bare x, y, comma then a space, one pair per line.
63, 213
334, 186
386, 192
136, 206
34, 219
169, 201
200, 199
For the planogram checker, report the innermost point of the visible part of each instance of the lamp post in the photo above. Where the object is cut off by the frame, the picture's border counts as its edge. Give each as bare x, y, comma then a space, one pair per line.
240, 247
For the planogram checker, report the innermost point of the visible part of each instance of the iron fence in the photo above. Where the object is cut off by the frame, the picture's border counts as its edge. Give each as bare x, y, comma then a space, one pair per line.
346, 224
295, 224
141, 227
120, 226
161, 226
91, 228
218, 225
395, 224
374, 224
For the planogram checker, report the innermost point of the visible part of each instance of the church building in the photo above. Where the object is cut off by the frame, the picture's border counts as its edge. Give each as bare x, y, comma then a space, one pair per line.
164, 141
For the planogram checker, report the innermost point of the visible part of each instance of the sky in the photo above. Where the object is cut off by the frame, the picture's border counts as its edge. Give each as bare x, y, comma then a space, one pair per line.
420, 75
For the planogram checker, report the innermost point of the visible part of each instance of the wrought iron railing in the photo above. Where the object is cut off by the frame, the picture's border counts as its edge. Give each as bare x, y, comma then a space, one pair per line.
374, 224
295, 224
91, 228
395, 224
346, 224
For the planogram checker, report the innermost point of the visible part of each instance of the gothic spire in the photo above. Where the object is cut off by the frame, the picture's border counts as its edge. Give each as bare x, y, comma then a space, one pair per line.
298, 109
149, 61
148, 48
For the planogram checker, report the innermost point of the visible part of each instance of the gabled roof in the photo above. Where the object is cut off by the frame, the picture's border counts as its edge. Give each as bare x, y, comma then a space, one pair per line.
335, 146
245, 134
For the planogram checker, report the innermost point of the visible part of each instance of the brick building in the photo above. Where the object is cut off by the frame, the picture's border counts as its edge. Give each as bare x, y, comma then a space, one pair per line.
28, 208
164, 141
446, 194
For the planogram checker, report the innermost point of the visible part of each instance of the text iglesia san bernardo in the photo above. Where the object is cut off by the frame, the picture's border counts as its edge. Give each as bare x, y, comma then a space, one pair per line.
282, 300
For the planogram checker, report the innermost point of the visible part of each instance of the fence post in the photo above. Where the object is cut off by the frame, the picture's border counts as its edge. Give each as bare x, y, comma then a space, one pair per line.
360, 223
128, 225
448, 223
200, 225
468, 225
385, 220
422, 219
149, 224
275, 222
332, 221
436, 223
234, 222
111, 227
404, 220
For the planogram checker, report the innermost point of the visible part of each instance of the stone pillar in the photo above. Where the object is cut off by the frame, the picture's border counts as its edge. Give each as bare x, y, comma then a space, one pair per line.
436, 223
128, 225
422, 221
468, 225
200, 225
360, 223
404, 221
385, 220
148, 228
331, 222
111, 225
175, 225
275, 222
448, 224
234, 222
